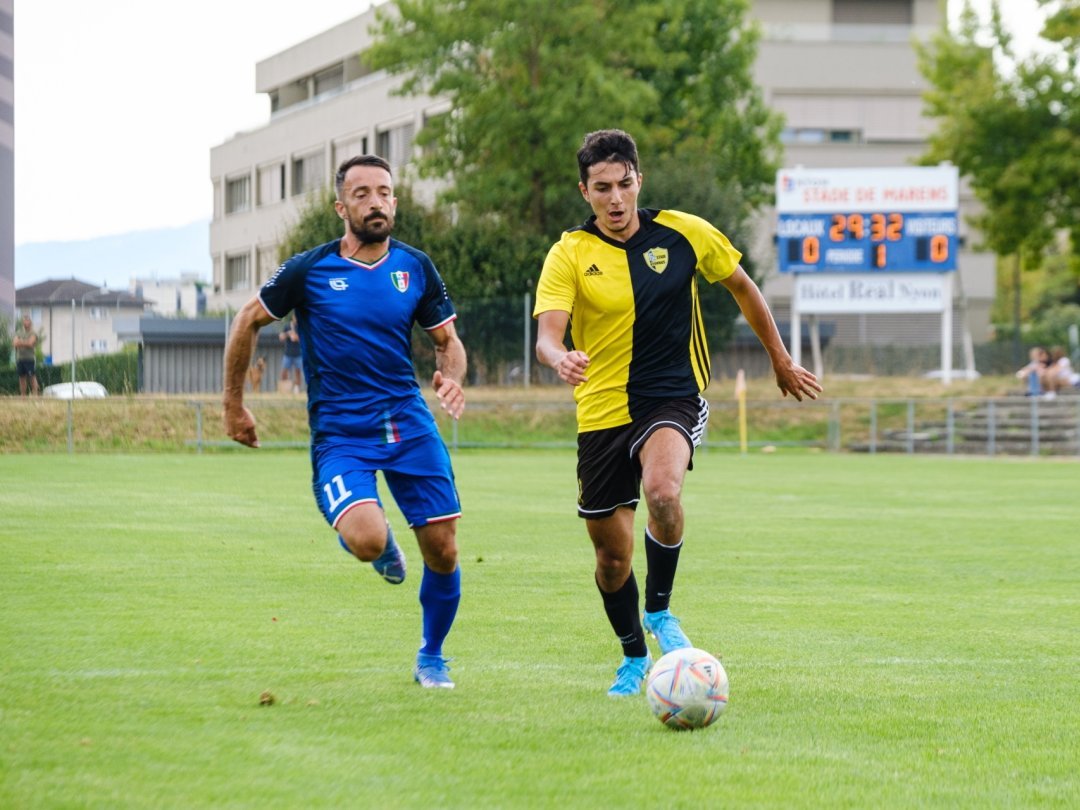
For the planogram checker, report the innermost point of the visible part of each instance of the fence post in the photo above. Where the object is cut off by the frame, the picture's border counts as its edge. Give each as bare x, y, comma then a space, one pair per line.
198, 428
911, 426
873, 426
834, 426
949, 427
1078, 428
1034, 426
527, 355
991, 428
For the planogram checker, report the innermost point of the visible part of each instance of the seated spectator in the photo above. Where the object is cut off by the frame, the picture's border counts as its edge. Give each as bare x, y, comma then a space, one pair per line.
1038, 360
1059, 375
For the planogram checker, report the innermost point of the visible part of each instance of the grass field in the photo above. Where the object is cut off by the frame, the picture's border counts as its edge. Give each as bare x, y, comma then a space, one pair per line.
898, 631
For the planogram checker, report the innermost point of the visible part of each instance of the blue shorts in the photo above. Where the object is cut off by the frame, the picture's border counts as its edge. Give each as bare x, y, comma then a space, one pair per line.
292, 362
417, 471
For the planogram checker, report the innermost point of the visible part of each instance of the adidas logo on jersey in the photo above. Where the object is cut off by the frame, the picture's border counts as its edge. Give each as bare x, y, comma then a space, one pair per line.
593, 271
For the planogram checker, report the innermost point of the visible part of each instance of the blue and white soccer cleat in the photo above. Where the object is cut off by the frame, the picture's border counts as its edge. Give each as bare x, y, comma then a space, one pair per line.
390, 565
630, 676
665, 629
432, 672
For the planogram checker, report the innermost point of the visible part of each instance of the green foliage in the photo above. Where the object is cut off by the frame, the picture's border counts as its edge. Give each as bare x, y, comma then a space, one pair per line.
1012, 127
711, 119
1051, 328
317, 224
118, 372
7, 343
528, 79
525, 80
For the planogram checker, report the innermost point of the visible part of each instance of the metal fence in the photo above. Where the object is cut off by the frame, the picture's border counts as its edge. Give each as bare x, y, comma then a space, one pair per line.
989, 426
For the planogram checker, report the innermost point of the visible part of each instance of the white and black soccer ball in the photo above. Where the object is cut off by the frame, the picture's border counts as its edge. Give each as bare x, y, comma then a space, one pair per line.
687, 689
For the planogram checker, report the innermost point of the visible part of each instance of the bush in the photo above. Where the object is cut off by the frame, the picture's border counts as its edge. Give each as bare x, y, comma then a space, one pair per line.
119, 373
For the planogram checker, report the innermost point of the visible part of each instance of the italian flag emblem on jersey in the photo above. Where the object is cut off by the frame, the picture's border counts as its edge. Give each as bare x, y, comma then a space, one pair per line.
400, 279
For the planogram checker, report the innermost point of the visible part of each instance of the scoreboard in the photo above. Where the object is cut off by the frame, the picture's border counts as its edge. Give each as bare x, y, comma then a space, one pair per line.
867, 220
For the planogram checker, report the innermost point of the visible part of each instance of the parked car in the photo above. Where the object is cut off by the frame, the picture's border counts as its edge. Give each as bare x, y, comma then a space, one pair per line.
78, 390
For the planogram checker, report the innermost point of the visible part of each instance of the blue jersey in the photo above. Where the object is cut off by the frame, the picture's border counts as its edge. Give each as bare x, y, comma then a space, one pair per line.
356, 325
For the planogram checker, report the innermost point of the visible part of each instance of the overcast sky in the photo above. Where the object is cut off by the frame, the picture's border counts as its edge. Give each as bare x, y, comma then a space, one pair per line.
118, 103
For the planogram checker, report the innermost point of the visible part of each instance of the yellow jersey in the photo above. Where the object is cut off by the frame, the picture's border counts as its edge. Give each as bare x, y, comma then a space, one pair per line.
634, 310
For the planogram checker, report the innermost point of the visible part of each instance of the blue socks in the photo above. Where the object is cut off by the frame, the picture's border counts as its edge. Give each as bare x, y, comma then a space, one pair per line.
439, 598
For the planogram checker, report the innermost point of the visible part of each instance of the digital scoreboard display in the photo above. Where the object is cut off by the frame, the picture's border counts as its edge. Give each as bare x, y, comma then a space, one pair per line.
867, 220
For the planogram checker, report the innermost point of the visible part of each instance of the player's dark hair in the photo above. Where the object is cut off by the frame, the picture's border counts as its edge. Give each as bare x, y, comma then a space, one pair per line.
606, 146
358, 160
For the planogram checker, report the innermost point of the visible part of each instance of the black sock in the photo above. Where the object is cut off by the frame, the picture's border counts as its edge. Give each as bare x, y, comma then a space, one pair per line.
622, 611
659, 581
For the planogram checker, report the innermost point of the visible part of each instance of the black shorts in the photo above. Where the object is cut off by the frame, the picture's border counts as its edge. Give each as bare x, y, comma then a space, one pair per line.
25, 368
609, 473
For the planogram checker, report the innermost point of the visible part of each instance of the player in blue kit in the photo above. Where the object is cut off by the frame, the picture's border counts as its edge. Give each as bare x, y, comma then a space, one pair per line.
356, 300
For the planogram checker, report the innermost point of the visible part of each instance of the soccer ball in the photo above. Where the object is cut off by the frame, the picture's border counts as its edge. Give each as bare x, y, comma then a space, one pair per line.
687, 689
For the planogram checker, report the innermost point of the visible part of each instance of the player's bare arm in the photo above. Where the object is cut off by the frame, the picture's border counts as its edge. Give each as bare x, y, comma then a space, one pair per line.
239, 423
790, 378
551, 351
450, 366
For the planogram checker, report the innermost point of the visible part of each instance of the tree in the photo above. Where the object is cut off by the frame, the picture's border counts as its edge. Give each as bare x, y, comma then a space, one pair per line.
7, 345
1012, 127
527, 79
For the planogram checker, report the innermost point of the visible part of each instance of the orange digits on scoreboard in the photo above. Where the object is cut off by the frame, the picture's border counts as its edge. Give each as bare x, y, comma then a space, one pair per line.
895, 228
939, 248
879, 255
839, 223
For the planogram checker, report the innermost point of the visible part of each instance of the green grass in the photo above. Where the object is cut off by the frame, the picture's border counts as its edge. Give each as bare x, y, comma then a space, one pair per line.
898, 631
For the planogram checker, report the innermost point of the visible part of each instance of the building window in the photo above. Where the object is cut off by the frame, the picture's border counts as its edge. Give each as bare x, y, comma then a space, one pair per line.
99, 345
330, 80
307, 173
237, 194
873, 12
238, 272
98, 313
272, 184
347, 149
819, 135
395, 145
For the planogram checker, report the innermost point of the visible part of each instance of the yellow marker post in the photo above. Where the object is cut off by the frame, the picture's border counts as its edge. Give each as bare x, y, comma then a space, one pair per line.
740, 396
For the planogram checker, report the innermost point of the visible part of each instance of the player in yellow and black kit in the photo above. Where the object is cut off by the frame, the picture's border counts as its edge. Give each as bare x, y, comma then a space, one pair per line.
626, 282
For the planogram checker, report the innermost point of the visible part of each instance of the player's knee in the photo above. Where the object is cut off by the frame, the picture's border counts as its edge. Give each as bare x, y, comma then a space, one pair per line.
612, 566
441, 557
438, 545
663, 499
364, 545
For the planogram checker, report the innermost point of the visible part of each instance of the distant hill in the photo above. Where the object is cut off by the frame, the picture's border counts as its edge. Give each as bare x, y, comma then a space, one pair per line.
113, 260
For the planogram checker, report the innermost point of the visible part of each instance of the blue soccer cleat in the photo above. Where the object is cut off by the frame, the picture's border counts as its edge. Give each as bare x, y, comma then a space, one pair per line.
432, 672
665, 629
390, 565
630, 676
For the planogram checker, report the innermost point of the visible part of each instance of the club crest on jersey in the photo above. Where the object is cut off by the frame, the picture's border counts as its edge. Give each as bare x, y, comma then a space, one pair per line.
400, 279
656, 258
339, 284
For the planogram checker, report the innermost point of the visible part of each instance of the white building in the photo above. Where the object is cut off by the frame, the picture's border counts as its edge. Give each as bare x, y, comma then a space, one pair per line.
72, 315
174, 297
843, 72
